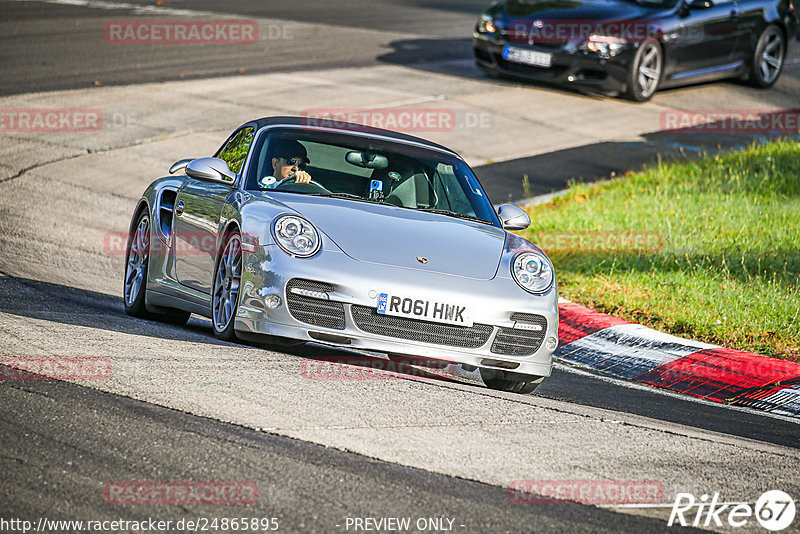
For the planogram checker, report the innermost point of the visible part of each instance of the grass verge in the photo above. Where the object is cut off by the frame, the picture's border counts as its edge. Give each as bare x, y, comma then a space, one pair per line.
708, 249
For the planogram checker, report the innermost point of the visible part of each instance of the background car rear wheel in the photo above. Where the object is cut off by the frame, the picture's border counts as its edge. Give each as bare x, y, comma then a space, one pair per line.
227, 281
768, 57
508, 381
137, 261
644, 73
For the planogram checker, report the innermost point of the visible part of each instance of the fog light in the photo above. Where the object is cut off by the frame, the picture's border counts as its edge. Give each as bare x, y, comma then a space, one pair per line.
272, 301
551, 343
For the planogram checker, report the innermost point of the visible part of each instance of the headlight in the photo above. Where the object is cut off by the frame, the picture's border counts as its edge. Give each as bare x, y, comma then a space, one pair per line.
605, 45
532, 271
296, 236
486, 24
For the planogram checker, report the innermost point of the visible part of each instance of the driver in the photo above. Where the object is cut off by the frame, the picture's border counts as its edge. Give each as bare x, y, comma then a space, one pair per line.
288, 161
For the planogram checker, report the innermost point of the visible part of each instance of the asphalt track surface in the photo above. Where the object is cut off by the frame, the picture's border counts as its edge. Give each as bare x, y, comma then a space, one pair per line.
206, 410
74, 438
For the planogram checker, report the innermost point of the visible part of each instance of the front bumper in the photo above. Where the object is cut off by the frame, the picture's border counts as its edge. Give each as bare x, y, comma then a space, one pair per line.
352, 286
570, 66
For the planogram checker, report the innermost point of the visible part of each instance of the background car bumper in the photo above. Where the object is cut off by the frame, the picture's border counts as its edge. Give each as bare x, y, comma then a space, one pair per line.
348, 319
579, 69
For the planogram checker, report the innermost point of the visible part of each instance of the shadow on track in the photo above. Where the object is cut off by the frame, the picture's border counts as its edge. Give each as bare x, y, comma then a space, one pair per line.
79, 307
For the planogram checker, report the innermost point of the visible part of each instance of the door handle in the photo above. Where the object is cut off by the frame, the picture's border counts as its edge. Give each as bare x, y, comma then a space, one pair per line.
179, 207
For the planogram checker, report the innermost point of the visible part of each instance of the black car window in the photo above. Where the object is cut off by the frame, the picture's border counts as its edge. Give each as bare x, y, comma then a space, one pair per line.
370, 169
235, 151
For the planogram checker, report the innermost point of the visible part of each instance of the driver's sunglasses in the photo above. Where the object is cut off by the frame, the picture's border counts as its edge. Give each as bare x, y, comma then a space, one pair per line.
300, 162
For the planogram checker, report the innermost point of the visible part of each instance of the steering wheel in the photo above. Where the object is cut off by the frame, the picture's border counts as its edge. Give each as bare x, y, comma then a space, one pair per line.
294, 179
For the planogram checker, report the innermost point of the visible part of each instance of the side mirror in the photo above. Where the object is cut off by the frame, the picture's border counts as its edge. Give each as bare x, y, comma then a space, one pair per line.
513, 218
210, 169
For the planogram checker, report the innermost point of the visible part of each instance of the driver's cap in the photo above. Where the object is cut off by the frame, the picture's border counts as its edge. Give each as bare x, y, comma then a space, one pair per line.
287, 148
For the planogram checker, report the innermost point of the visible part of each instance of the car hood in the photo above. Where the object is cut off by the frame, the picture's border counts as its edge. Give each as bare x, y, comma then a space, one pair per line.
574, 10
388, 235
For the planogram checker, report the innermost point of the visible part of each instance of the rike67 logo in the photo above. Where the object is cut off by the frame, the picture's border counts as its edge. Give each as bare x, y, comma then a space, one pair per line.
774, 510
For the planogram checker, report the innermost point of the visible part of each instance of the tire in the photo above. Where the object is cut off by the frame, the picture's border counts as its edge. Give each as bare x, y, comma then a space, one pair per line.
137, 261
768, 58
226, 286
511, 382
645, 71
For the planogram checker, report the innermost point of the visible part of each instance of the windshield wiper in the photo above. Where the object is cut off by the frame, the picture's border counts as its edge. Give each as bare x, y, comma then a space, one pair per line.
449, 213
348, 196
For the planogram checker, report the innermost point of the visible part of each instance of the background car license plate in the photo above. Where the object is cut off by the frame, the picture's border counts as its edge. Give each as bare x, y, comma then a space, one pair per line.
529, 57
433, 310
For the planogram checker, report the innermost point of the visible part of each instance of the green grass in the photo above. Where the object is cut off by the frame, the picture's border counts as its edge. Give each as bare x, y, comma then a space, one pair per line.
708, 250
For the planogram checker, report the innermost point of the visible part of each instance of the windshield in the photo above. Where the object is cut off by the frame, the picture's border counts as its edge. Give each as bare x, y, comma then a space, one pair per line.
366, 169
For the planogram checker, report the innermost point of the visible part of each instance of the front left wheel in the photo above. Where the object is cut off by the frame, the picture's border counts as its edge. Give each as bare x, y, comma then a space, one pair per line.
227, 281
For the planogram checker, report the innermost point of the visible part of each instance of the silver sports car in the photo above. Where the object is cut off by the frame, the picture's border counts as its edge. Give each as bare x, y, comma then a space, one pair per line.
348, 236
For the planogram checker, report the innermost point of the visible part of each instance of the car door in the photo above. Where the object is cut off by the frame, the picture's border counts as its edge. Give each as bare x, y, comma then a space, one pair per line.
751, 24
707, 38
198, 207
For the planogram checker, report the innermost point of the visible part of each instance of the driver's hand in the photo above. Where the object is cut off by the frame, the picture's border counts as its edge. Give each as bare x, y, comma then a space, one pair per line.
302, 177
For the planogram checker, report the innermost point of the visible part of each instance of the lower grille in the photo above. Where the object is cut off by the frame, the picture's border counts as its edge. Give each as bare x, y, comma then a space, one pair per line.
519, 342
368, 320
318, 312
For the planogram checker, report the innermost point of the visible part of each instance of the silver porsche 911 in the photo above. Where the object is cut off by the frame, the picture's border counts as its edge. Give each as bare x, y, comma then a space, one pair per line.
348, 236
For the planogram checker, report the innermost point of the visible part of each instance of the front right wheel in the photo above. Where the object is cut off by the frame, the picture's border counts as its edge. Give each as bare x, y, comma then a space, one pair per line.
227, 280
644, 73
508, 381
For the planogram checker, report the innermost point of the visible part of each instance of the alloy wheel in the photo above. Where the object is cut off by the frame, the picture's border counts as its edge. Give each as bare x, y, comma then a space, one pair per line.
226, 283
137, 261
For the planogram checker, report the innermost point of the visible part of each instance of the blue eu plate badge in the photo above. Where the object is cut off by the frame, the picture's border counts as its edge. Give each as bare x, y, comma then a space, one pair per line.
382, 300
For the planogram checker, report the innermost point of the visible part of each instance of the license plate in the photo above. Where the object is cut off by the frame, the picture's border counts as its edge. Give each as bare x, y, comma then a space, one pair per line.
529, 57
425, 309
